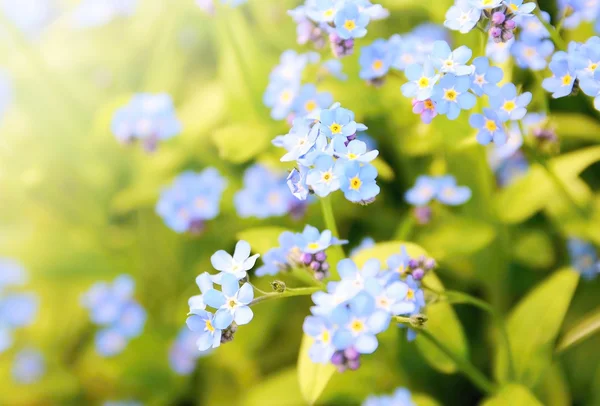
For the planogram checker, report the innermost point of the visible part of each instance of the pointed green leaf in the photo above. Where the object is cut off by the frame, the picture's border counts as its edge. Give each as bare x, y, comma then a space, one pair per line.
589, 325
513, 395
313, 378
534, 325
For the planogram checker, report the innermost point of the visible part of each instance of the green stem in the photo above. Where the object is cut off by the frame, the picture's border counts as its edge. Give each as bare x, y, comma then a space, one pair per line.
459, 297
337, 254
462, 364
289, 292
554, 35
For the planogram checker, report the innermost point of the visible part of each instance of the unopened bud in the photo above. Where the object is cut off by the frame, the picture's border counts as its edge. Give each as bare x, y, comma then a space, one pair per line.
418, 320
278, 286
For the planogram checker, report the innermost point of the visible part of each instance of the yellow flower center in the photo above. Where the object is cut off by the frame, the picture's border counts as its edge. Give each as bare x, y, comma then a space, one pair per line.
509, 106
313, 246
200, 203
357, 326
377, 65
428, 104
310, 105
325, 337
328, 13
285, 96
529, 52
566, 80
383, 302
355, 183
593, 67
423, 82
209, 326
449, 63
410, 295
486, 2
335, 128
450, 94
513, 7
351, 155
490, 125
327, 176
231, 303
350, 25
273, 198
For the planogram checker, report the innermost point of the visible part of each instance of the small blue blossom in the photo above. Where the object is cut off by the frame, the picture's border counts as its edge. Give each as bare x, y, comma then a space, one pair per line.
236, 265
279, 96
29, 366
532, 52
205, 284
448, 61
301, 138
531, 26
451, 95
562, 80
192, 199
350, 22
485, 4
424, 190
183, 353
517, 7
398, 263
509, 105
280, 258
490, 127
462, 17
202, 322
321, 330
401, 397
405, 51
451, 194
354, 150
231, 302
110, 342
583, 257
339, 120
12, 273
30, 16
421, 78
375, 60
358, 182
485, 77
321, 11
323, 178
309, 101
314, 241
499, 52
334, 68
296, 182
591, 87
442, 188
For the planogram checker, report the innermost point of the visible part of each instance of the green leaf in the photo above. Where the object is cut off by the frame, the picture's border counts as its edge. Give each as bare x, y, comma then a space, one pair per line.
576, 126
382, 251
384, 170
589, 325
423, 400
534, 325
533, 248
261, 239
313, 378
513, 395
554, 390
443, 323
240, 142
281, 388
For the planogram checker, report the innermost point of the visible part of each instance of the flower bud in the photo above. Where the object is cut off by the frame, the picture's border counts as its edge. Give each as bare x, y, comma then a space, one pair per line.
498, 18
306, 258
321, 256
510, 24
278, 286
315, 266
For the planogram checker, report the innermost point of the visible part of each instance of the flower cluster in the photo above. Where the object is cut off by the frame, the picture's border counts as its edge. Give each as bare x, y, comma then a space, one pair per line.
441, 188
305, 249
95, 13
29, 366
339, 21
574, 12
329, 157
574, 69
192, 199
400, 397
285, 94
346, 319
584, 257
231, 303
184, 353
399, 51
17, 309
113, 307
148, 118
266, 194
496, 17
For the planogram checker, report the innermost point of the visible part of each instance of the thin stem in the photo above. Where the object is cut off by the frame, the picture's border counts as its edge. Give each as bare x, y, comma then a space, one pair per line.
480, 380
289, 292
554, 35
402, 319
337, 254
256, 288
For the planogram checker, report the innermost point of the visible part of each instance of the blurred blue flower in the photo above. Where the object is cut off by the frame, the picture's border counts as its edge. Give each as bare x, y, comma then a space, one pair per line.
236, 265
147, 117
12, 273
424, 190
517, 7
231, 303
442, 188
358, 182
583, 257
278, 259
591, 87
401, 397
184, 353
321, 330
193, 198
95, 13
28, 366
202, 322
310, 101
490, 127
485, 77
18, 309
532, 52
421, 78
485, 4
451, 95
351, 22
462, 17
279, 96
451, 194
110, 342
375, 60
499, 52
448, 61
562, 80
334, 68
322, 11
509, 105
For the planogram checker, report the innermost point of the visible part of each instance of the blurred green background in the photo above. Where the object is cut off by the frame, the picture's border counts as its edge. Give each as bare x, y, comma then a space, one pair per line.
77, 207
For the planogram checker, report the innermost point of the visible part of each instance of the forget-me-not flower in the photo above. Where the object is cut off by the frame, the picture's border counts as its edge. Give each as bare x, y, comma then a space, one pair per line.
451, 95
509, 105
490, 127
236, 265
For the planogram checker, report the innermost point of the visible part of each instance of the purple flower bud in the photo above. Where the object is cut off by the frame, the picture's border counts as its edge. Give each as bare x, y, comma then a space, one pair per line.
351, 354
320, 275
338, 358
495, 32
498, 18
315, 266
418, 274
324, 266
320, 256
510, 24
413, 263
354, 364
306, 258
507, 35
423, 214
429, 264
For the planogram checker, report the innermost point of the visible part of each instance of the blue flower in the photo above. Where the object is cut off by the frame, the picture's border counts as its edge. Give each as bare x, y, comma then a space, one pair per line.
322, 11
490, 127
499, 52
405, 51
334, 68
350, 22
205, 284
183, 353
508, 105
390, 298
591, 87
532, 52
451, 95
202, 322
278, 259
131, 320
192, 199
353, 279
451, 194
324, 178
309, 101
321, 330
422, 192
236, 265
358, 182
587, 59
485, 4
339, 120
296, 182
18, 309
301, 138
375, 60
448, 61
314, 241
354, 150
583, 257
29, 366
12, 273
360, 321
462, 17
401, 397
398, 263
280, 96
421, 78
485, 77
110, 342
231, 303
562, 80
517, 7
531, 26
147, 117
510, 169
32, 17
